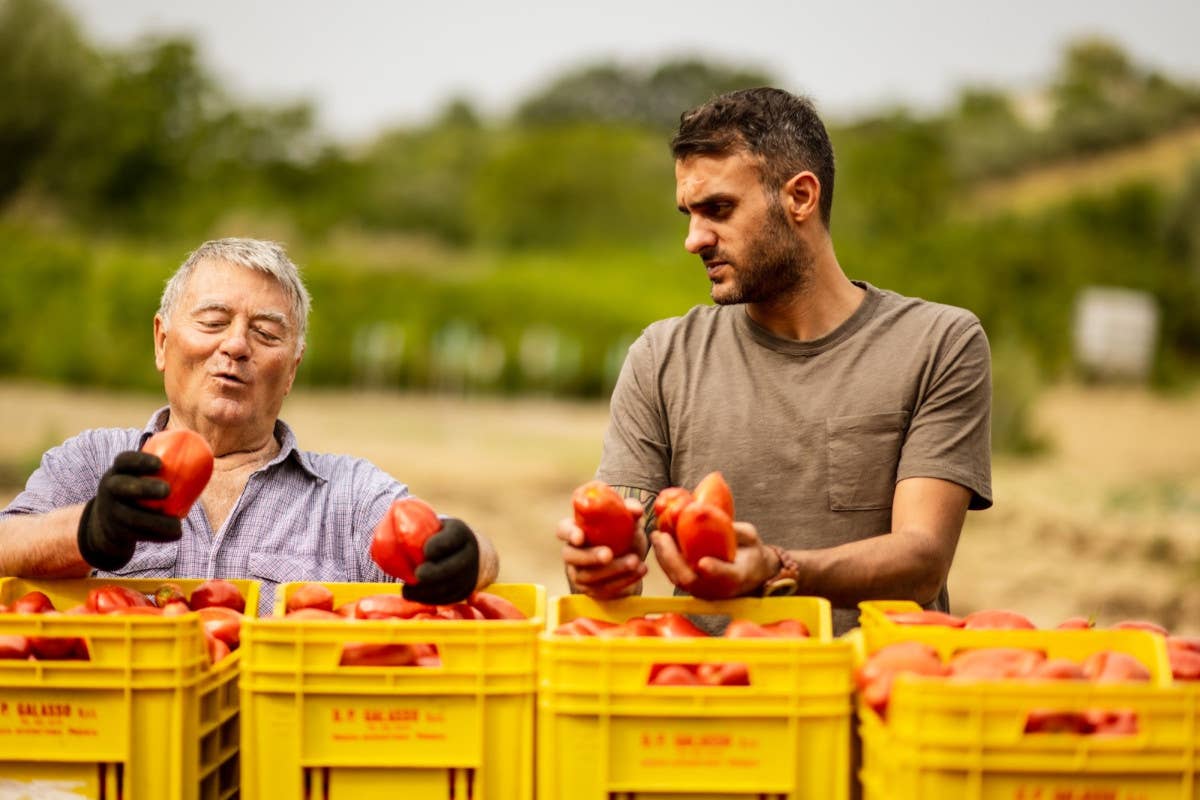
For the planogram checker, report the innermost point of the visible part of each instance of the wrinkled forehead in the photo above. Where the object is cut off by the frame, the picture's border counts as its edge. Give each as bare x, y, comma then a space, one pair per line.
702, 175
219, 283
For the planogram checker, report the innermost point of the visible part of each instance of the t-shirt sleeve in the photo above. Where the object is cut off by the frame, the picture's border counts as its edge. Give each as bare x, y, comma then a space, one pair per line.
637, 448
949, 436
68, 474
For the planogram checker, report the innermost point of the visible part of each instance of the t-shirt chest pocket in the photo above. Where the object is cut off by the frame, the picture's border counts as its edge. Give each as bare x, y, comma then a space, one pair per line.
864, 453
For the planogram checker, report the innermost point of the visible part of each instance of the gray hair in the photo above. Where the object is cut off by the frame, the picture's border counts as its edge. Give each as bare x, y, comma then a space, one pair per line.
267, 257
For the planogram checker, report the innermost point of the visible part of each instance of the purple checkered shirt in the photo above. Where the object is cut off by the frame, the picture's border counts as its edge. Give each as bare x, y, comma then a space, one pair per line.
302, 517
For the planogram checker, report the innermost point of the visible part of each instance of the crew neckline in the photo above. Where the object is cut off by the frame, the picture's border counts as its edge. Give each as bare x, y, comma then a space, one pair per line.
811, 347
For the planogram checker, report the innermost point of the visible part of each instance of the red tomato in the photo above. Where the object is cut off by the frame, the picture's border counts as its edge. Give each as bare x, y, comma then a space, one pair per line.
1111, 722
398, 545
187, 464
713, 489
925, 617
996, 663
668, 504
997, 619
222, 623
369, 654
493, 606
176, 608
732, 673
746, 629
1059, 669
14, 647
603, 517
1042, 720
112, 598
705, 530
217, 592
1075, 624
673, 675
912, 657
33, 603
57, 648
1185, 662
389, 606
310, 595
583, 626
675, 626
1140, 625
788, 628
217, 649
1110, 666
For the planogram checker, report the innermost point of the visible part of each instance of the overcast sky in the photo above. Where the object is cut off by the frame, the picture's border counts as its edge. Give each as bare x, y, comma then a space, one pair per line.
370, 63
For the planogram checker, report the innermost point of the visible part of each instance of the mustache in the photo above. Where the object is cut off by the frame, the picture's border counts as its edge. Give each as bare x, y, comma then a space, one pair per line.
711, 254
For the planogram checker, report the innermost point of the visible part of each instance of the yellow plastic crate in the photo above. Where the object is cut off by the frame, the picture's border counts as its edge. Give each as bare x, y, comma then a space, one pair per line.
315, 730
604, 733
967, 739
146, 716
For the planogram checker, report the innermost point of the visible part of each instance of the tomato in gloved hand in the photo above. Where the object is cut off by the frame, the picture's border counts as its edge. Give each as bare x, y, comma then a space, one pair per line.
187, 464
398, 546
603, 517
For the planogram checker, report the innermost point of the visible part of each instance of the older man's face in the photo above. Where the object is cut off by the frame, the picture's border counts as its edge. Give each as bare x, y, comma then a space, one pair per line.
229, 353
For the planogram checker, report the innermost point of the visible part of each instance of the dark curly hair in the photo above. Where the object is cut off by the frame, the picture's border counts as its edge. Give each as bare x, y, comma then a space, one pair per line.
781, 129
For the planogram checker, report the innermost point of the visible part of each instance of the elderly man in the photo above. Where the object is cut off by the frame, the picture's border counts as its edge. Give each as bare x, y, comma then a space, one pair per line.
228, 338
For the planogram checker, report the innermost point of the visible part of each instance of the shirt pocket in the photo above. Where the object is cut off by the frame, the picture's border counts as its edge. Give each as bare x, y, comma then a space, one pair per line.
864, 454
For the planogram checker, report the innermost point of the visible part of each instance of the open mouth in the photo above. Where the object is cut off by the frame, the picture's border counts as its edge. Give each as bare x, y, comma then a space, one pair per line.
228, 378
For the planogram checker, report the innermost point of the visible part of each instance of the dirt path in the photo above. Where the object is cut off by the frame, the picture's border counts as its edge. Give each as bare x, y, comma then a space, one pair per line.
1106, 524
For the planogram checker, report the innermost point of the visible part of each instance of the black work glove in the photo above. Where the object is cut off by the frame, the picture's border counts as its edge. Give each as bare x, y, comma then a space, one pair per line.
451, 567
113, 521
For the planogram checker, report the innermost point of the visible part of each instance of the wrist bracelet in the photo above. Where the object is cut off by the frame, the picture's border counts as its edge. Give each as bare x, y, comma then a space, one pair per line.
785, 581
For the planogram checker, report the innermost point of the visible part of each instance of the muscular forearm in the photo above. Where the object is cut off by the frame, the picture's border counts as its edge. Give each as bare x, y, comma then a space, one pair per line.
42, 545
893, 566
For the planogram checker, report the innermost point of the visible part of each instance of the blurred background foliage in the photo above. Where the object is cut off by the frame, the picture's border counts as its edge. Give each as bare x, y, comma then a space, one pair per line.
523, 254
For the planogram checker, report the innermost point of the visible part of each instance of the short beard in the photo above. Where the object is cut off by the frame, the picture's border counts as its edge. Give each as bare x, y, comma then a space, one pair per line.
776, 265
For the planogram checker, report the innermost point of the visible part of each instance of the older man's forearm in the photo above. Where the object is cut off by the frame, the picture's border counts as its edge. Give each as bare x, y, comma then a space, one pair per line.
42, 545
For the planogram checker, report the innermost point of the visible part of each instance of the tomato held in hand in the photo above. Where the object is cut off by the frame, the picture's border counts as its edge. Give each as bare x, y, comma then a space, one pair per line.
668, 504
398, 546
187, 464
705, 530
603, 517
713, 489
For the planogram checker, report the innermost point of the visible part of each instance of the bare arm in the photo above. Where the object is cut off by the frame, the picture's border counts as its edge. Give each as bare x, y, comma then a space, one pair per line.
910, 562
42, 545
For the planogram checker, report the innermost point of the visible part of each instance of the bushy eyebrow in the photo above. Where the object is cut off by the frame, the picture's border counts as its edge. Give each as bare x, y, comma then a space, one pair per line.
708, 200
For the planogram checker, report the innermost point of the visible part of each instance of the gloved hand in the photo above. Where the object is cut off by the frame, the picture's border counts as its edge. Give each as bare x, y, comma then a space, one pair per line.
451, 569
113, 521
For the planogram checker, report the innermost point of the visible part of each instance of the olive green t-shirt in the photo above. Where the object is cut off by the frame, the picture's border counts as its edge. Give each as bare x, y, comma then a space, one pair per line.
811, 436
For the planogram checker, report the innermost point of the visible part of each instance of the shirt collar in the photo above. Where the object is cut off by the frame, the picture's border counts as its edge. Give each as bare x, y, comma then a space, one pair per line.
283, 434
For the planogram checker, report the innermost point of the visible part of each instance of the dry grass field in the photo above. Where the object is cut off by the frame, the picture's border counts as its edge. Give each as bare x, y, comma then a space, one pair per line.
1106, 523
